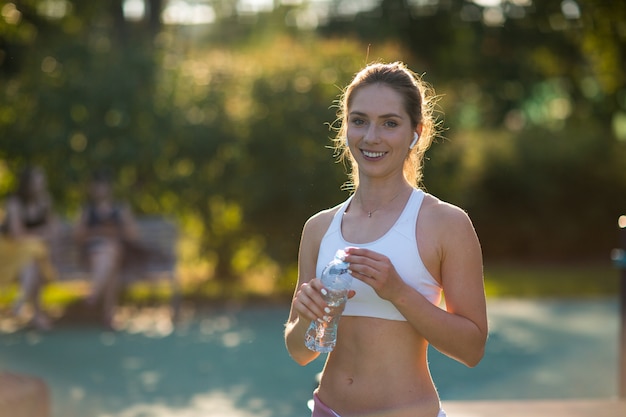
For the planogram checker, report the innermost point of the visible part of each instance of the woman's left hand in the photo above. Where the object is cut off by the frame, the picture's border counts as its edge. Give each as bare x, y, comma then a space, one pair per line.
376, 270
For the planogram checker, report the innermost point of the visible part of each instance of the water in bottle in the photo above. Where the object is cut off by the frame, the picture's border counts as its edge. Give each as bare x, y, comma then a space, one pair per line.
322, 337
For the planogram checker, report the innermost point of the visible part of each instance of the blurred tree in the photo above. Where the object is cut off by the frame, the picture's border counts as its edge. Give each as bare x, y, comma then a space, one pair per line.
193, 131
222, 124
533, 94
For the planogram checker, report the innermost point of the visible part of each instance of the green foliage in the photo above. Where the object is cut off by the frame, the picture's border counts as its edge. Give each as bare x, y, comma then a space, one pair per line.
536, 195
234, 150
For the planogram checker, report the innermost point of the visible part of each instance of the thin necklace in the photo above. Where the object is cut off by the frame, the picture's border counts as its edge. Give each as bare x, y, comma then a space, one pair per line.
369, 213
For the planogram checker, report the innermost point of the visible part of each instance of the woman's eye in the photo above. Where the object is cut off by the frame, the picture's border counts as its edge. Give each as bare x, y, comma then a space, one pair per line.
391, 123
358, 122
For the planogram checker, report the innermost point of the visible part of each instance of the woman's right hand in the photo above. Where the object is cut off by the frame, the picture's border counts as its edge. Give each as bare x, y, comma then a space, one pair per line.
309, 302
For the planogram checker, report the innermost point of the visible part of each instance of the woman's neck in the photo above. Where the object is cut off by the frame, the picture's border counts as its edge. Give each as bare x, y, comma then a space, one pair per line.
372, 197
381, 189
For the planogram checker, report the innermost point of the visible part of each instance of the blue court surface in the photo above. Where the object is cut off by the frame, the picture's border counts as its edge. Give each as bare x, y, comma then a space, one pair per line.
232, 361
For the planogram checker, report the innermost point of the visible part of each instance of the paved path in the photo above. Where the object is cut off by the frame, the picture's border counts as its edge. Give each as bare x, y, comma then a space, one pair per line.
545, 408
232, 363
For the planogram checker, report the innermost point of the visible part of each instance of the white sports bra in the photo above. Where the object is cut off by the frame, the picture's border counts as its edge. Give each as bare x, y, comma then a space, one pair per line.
400, 246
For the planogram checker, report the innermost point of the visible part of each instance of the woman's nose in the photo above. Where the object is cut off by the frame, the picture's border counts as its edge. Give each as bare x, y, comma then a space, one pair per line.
371, 135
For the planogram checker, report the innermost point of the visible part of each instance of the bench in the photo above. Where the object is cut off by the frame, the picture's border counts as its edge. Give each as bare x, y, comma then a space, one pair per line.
153, 261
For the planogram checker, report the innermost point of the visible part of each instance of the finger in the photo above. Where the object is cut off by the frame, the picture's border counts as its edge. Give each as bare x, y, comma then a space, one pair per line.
313, 304
316, 291
363, 252
364, 265
363, 271
306, 312
365, 278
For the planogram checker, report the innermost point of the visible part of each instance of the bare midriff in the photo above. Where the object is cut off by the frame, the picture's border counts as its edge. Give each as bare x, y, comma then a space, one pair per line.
378, 368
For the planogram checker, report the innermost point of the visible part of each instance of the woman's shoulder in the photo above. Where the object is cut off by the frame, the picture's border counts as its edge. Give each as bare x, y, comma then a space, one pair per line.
322, 218
313, 232
442, 214
13, 202
317, 224
12, 199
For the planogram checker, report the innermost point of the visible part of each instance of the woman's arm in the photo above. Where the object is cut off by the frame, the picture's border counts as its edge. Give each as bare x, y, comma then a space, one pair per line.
307, 303
464, 291
80, 228
48, 229
15, 228
459, 331
129, 225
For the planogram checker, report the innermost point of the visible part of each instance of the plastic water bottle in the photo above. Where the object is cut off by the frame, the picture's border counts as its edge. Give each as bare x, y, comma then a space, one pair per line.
322, 337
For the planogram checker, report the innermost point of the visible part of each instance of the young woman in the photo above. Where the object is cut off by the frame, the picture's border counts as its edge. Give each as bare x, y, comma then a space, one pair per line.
28, 230
104, 229
405, 247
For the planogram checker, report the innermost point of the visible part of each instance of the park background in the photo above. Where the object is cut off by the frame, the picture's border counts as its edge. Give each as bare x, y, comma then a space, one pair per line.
217, 115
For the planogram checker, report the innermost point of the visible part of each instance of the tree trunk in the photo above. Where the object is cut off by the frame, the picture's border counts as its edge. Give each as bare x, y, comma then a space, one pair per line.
120, 28
153, 15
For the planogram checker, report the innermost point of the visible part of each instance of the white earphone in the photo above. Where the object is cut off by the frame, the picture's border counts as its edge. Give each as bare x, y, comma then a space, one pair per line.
415, 138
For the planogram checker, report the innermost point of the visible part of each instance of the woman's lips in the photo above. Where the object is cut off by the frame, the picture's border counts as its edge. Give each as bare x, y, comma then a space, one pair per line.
372, 155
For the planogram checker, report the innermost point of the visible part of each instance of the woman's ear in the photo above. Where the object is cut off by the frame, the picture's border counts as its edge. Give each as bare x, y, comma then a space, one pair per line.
416, 135
415, 139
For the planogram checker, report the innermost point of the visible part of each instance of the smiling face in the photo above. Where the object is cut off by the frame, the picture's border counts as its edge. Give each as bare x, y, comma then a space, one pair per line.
394, 91
379, 130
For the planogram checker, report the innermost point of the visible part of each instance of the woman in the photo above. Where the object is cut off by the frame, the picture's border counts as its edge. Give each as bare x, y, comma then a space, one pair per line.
405, 247
104, 228
29, 228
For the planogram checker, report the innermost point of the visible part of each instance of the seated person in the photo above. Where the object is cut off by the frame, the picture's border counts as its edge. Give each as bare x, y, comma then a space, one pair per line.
28, 229
103, 230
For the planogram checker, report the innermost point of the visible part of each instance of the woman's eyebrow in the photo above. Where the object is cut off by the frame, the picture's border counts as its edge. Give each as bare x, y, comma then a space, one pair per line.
382, 116
388, 115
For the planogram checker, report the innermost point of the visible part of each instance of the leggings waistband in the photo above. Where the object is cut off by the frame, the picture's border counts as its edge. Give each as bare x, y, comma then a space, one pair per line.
322, 410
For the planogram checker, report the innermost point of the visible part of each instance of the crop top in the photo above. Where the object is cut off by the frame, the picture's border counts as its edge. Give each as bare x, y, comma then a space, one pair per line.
96, 218
400, 246
30, 219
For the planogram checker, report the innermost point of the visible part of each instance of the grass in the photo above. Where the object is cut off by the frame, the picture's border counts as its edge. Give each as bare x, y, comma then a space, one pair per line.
55, 294
571, 280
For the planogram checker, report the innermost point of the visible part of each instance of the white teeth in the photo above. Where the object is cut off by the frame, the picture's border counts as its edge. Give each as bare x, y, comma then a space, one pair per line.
373, 154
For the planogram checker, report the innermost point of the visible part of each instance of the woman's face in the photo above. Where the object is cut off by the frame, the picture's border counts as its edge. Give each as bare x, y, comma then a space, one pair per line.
379, 130
37, 182
100, 190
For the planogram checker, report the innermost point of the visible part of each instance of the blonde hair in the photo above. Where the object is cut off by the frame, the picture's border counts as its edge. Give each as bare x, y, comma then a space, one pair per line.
419, 101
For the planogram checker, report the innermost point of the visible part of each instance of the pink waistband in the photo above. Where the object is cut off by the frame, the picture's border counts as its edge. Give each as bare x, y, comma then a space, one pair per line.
322, 410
